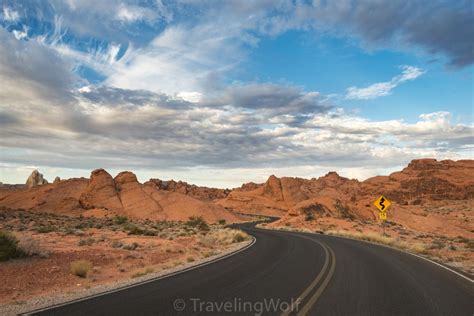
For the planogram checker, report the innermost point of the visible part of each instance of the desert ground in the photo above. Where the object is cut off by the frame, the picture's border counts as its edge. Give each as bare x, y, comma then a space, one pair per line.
58, 254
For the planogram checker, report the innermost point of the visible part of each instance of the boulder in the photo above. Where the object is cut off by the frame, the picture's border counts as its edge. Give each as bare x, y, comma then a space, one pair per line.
35, 179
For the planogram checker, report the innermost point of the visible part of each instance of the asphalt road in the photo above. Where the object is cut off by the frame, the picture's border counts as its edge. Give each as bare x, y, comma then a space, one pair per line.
330, 275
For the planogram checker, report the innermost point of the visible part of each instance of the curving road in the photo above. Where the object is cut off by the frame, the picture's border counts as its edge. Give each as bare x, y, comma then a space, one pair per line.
302, 273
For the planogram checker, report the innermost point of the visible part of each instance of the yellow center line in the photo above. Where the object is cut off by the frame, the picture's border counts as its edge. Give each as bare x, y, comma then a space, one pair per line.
323, 286
316, 280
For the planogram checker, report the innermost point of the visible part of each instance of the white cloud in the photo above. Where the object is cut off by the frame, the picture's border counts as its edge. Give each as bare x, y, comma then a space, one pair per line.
179, 60
190, 96
21, 34
128, 14
133, 13
10, 15
384, 88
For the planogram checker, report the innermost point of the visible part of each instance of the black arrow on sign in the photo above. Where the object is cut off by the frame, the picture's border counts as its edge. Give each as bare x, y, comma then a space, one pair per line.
381, 203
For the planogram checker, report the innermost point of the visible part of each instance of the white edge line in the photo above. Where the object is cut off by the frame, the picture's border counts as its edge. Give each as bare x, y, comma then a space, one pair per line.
142, 282
374, 243
410, 253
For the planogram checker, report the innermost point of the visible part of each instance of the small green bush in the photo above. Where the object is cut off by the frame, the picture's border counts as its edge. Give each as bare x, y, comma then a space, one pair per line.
119, 220
9, 247
198, 222
133, 229
88, 242
222, 222
45, 229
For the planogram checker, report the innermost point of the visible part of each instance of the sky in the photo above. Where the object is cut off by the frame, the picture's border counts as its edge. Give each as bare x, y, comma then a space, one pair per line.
220, 93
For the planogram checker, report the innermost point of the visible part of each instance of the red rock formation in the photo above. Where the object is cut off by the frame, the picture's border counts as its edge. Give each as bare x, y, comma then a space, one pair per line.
200, 193
415, 190
249, 186
421, 182
135, 201
272, 188
101, 192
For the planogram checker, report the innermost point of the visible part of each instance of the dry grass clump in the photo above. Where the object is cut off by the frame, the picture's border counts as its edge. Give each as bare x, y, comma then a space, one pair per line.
31, 247
223, 237
238, 238
286, 228
379, 239
81, 268
142, 273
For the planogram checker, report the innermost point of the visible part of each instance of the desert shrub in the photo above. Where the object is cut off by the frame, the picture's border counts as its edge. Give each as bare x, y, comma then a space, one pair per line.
238, 238
131, 246
80, 226
84, 242
470, 244
438, 244
31, 247
197, 222
45, 229
21, 227
142, 273
9, 247
133, 229
462, 239
209, 254
117, 244
69, 231
310, 211
221, 222
81, 268
190, 259
150, 232
119, 220
344, 210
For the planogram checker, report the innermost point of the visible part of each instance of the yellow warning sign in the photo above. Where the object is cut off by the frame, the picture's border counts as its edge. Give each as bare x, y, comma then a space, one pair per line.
382, 204
383, 216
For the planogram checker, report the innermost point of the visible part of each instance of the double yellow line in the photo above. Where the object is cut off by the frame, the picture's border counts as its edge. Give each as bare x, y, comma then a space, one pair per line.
329, 264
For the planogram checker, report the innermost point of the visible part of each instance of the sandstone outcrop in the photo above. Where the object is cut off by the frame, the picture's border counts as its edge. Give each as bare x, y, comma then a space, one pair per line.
101, 192
198, 192
35, 179
416, 192
422, 182
272, 188
135, 201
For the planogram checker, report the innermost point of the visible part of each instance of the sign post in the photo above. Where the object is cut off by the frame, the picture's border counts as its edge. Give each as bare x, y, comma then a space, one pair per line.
382, 204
